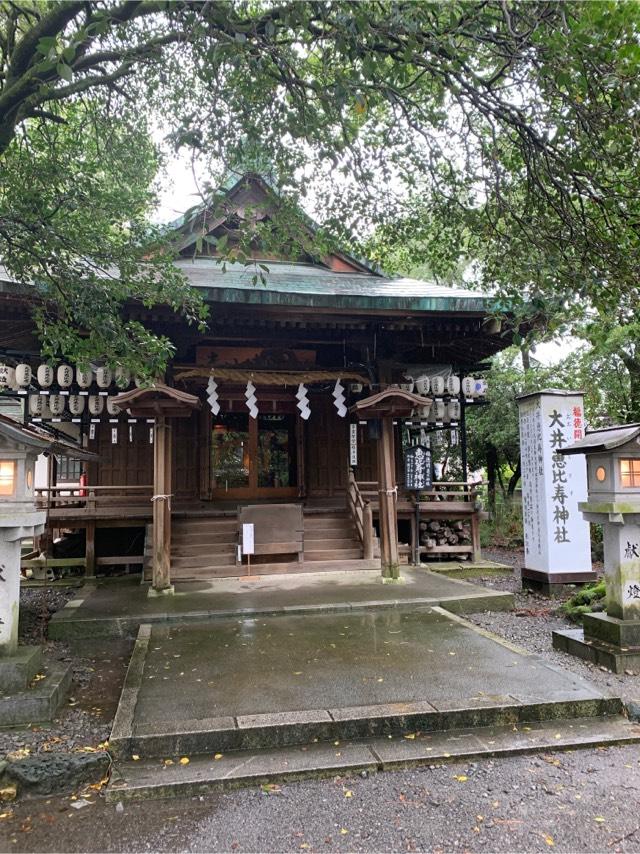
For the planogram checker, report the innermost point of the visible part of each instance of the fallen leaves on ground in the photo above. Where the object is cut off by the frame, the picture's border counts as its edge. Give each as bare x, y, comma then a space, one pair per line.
184, 760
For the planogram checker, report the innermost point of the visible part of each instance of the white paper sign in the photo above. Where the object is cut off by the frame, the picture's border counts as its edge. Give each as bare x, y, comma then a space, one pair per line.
247, 538
353, 444
556, 537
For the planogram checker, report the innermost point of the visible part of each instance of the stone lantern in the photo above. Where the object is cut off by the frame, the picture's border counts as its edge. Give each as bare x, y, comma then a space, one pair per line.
612, 639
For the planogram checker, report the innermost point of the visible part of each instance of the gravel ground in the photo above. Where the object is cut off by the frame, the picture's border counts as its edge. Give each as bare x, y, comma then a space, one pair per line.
580, 801
531, 623
98, 671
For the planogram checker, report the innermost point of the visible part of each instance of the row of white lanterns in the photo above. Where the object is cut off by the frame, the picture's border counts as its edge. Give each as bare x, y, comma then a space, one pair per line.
23, 375
440, 411
46, 406
452, 385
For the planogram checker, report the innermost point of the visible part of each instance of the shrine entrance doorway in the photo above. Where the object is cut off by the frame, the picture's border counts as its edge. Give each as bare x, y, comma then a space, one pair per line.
254, 457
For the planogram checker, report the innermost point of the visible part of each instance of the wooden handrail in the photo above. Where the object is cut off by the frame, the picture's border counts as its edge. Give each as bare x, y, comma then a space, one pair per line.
89, 497
361, 514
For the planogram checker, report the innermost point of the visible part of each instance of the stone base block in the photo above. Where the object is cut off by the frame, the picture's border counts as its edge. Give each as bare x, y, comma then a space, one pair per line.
18, 669
602, 627
555, 583
40, 701
615, 658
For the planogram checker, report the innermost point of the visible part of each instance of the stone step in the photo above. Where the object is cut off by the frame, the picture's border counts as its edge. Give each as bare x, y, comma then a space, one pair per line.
18, 669
155, 778
40, 701
287, 729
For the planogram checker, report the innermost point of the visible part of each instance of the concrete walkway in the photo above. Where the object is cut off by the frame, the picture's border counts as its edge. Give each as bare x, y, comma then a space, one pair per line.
118, 609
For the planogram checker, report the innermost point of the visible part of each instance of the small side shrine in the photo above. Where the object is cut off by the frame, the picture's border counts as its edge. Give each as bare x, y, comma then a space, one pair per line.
613, 477
20, 701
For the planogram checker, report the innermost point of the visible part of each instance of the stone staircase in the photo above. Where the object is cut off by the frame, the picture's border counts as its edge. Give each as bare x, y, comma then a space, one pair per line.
205, 546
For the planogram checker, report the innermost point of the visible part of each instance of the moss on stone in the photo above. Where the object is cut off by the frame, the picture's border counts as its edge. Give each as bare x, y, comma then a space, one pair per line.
589, 598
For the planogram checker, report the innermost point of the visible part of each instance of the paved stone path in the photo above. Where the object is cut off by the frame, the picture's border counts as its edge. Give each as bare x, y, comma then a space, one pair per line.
580, 801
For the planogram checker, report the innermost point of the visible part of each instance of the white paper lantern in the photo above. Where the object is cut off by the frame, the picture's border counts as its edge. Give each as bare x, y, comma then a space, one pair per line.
481, 388
23, 375
104, 376
123, 376
422, 385
83, 378
96, 404
439, 410
454, 410
437, 385
45, 376
76, 404
65, 376
112, 409
36, 405
7, 376
468, 386
56, 404
46, 411
453, 384
407, 386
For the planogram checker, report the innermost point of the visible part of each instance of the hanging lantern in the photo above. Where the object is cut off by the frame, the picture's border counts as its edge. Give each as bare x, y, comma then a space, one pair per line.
437, 385
454, 410
76, 404
439, 409
83, 377
7, 376
453, 384
36, 405
23, 375
104, 376
123, 377
112, 409
46, 410
422, 385
45, 376
56, 404
96, 404
65, 376
481, 388
468, 386
407, 386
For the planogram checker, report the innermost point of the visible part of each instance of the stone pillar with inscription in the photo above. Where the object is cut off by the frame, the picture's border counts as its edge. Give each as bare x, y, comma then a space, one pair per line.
556, 537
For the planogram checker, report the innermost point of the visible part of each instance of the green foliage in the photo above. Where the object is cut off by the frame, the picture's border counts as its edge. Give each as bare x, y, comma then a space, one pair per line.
74, 198
589, 598
498, 136
504, 528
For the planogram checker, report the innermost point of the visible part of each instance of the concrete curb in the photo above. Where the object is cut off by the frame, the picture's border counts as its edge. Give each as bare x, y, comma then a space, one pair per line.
122, 729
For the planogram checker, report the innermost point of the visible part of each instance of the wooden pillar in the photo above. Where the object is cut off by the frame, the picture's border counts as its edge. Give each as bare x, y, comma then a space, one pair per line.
90, 549
161, 579
388, 498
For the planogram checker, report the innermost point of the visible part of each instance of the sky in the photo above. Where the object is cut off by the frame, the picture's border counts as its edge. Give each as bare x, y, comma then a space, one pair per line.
179, 191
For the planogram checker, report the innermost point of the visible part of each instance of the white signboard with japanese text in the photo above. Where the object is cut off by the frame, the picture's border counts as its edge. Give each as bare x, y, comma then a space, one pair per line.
353, 444
556, 537
248, 532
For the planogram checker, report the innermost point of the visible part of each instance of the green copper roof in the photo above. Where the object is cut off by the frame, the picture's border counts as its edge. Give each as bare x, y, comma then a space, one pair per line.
314, 286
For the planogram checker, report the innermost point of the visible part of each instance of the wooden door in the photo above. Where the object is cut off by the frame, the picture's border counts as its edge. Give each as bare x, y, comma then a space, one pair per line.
327, 449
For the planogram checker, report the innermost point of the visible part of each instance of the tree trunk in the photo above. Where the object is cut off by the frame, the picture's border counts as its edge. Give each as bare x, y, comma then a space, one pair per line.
492, 469
514, 480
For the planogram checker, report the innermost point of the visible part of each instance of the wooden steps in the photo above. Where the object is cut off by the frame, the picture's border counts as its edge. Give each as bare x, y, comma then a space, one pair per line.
204, 547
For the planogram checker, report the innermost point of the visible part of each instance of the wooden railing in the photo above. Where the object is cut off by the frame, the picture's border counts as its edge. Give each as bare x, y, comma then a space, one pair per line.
361, 514
91, 497
440, 491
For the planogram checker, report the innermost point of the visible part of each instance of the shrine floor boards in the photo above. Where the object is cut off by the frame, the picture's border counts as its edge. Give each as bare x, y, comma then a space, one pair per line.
256, 699
117, 609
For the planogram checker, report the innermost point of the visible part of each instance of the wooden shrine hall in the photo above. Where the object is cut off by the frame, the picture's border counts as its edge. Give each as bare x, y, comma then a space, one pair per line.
291, 413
